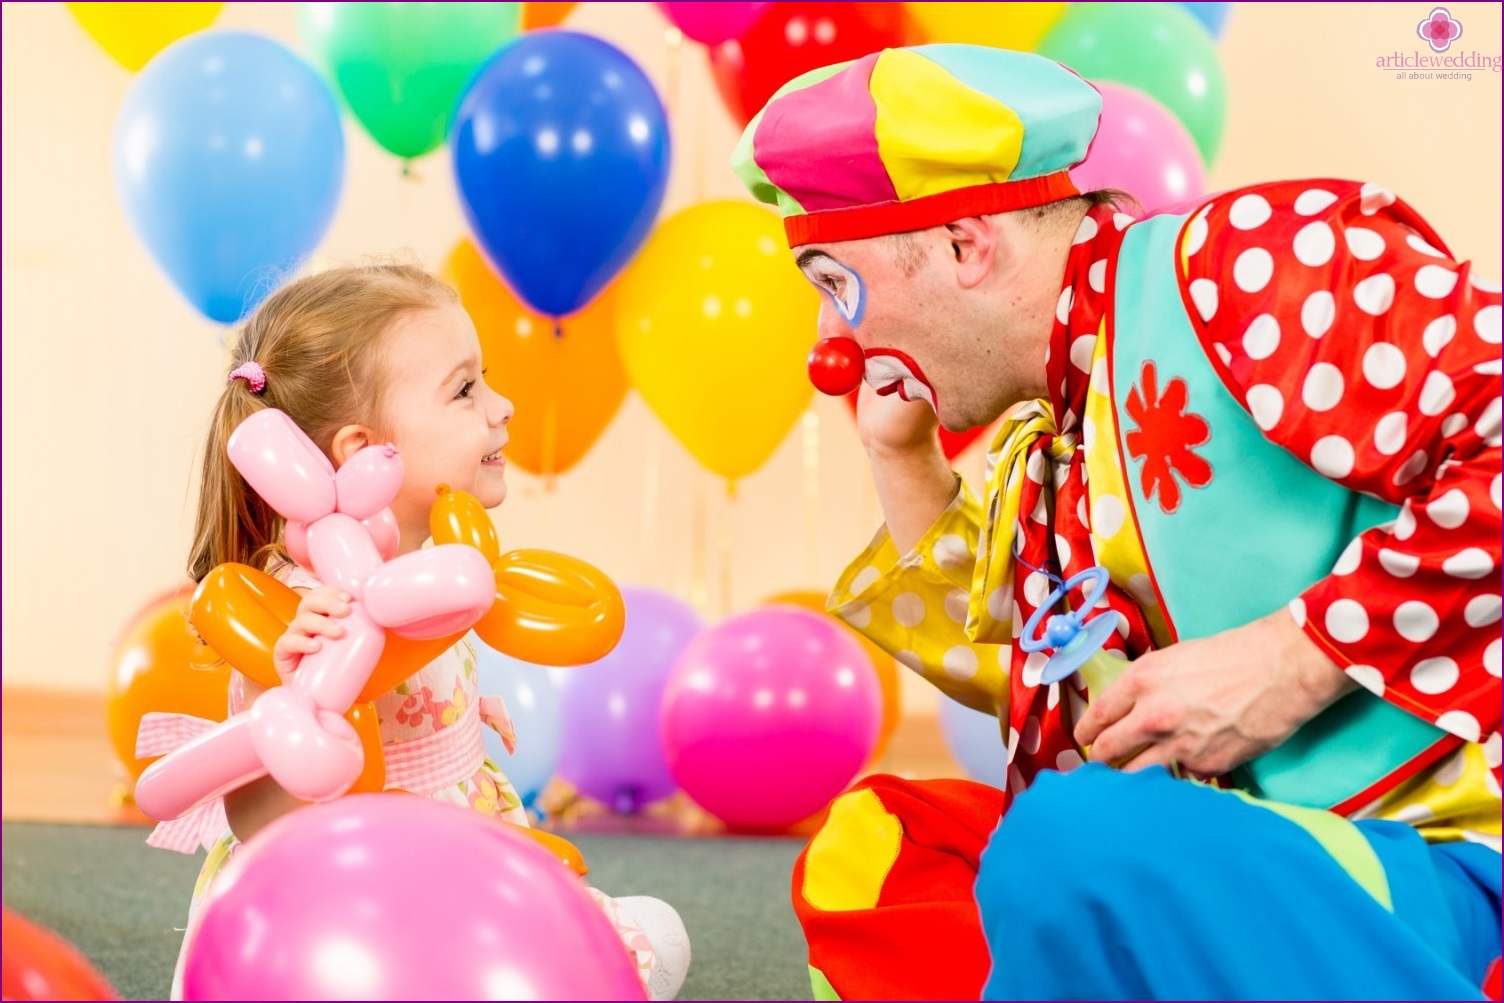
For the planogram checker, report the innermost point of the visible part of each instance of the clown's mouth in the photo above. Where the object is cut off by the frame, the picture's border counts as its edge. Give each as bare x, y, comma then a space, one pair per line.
891, 372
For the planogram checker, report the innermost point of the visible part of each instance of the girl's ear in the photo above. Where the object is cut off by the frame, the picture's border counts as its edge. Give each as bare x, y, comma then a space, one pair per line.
348, 441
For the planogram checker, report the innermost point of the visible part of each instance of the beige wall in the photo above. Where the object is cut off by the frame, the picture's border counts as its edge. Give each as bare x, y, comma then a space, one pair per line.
109, 375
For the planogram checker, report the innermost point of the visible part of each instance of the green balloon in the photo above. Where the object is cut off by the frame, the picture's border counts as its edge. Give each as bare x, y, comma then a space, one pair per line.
1157, 48
401, 67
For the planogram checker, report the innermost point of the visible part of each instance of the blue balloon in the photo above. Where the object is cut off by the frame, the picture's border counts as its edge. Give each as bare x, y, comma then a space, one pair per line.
533, 702
561, 154
229, 160
1212, 15
975, 741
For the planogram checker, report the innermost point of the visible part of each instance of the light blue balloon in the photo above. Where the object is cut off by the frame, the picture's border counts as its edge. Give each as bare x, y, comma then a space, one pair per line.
975, 741
229, 160
1212, 15
533, 701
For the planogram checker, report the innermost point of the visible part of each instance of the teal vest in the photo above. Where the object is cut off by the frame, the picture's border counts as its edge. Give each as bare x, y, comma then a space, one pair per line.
1257, 535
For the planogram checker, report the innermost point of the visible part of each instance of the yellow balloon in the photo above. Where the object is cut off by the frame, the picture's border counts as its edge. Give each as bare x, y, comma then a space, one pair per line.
1002, 25
715, 325
134, 32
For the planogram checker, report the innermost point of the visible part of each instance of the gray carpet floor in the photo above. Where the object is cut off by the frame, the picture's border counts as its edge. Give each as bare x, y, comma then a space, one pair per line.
121, 902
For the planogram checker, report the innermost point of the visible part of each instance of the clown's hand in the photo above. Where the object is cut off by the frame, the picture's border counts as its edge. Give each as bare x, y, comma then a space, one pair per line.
887, 424
1212, 704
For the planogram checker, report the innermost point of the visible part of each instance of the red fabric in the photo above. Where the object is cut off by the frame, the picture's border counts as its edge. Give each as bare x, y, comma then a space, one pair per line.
1492, 981
924, 939
1390, 387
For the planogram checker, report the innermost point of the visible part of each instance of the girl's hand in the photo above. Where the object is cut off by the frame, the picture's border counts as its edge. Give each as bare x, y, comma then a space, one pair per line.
317, 617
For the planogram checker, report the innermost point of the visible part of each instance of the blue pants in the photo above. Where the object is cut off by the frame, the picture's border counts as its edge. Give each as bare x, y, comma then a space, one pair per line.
1107, 885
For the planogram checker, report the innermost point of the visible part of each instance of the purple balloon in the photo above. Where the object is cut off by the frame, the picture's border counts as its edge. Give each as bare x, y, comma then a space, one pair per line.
393, 897
769, 715
609, 710
713, 23
1141, 148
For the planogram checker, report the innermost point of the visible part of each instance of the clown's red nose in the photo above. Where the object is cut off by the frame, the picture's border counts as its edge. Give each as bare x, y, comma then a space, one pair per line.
836, 366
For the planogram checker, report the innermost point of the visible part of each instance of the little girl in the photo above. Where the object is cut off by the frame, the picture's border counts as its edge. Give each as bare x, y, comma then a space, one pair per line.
355, 357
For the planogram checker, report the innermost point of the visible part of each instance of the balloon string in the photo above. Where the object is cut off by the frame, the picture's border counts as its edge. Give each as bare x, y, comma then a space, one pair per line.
699, 584
551, 414
723, 545
811, 428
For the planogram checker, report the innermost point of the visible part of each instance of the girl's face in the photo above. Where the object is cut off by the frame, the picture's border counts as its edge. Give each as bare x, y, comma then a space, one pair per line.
448, 425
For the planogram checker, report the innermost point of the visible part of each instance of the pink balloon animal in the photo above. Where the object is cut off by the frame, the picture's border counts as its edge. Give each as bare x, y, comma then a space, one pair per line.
339, 527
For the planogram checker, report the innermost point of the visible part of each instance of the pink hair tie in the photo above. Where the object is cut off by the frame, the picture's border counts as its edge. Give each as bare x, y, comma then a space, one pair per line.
252, 373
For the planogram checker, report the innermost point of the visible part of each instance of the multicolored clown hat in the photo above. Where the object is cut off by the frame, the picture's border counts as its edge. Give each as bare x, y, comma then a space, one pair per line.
906, 139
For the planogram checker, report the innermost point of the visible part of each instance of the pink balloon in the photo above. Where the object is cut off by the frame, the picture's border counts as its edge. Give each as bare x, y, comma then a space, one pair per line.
317, 907
342, 553
713, 23
283, 466
334, 675
368, 481
295, 539
384, 533
1141, 148
432, 592
210, 766
769, 715
313, 754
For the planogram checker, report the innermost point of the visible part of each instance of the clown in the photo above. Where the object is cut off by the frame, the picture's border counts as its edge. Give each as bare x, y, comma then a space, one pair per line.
1275, 421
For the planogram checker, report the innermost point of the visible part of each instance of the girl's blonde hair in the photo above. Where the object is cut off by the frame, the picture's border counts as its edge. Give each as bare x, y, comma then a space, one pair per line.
318, 340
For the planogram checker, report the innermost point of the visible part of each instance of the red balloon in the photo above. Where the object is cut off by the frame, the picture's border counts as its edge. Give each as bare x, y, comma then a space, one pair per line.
836, 366
953, 444
794, 38
37, 964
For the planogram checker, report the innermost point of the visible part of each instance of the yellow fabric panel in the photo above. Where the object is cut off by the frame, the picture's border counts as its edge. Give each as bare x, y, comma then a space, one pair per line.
1456, 799
1114, 531
927, 153
851, 855
915, 607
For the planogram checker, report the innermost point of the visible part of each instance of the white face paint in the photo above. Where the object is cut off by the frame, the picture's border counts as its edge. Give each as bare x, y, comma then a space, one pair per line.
893, 372
840, 283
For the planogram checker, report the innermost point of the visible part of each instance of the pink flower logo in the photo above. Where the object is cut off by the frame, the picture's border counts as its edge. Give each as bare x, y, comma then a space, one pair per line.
1439, 29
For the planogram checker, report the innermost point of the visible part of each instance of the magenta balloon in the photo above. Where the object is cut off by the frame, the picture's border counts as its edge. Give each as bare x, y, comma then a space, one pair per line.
770, 715
610, 710
326, 903
713, 23
1141, 148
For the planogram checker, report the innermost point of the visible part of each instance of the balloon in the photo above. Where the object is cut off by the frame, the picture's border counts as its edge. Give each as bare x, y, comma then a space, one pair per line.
952, 444
1141, 149
401, 67
794, 38
545, 15
1156, 48
561, 153
1001, 25
883, 664
134, 32
975, 742
768, 716
158, 665
713, 23
228, 160
566, 388
610, 710
714, 326
533, 702
37, 964
295, 732
1212, 15
309, 910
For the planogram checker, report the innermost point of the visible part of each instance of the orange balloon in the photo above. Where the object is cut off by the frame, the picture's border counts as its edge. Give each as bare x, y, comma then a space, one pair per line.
160, 666
38, 964
567, 852
883, 664
545, 15
459, 517
373, 774
552, 609
240, 612
566, 388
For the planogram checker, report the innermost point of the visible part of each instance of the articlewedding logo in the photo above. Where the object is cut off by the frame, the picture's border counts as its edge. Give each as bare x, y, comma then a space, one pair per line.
1439, 29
